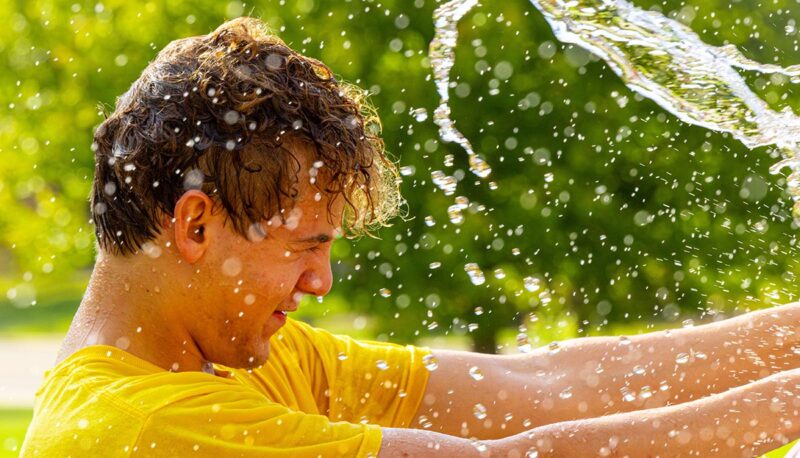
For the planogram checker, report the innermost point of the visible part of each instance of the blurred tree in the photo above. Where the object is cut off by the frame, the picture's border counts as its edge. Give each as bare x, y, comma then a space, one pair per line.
601, 208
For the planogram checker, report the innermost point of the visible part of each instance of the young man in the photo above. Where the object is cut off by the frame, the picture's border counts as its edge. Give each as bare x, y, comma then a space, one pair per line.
221, 179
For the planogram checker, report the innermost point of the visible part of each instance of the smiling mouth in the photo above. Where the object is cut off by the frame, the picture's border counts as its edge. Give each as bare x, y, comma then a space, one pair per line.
292, 307
279, 317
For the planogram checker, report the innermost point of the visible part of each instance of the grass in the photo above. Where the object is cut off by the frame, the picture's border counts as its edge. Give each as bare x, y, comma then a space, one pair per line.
56, 302
13, 424
52, 318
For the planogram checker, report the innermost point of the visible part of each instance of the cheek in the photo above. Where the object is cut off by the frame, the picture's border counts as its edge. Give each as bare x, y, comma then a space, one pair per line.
271, 285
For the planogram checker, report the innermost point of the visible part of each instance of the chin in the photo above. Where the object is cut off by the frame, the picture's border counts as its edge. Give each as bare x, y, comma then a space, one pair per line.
255, 357
245, 356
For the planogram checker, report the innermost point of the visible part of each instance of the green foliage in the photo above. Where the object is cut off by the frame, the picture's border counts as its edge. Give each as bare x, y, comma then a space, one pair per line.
13, 424
620, 211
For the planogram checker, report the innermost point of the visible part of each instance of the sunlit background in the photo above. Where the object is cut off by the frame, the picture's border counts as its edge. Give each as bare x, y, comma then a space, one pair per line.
604, 214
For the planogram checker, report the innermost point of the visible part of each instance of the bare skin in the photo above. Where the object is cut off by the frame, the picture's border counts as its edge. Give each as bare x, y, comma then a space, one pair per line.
742, 422
597, 376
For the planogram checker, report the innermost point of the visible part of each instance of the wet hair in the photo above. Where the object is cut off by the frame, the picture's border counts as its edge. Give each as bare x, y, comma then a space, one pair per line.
223, 113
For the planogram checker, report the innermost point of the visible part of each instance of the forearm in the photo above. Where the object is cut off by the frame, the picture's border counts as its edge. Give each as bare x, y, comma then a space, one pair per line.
744, 421
597, 376
408, 443
592, 377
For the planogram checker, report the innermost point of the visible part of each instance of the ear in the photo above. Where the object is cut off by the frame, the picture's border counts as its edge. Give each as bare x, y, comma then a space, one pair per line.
192, 215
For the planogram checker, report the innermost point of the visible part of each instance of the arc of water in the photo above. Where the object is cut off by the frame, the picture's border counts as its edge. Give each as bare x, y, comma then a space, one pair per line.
663, 60
442, 55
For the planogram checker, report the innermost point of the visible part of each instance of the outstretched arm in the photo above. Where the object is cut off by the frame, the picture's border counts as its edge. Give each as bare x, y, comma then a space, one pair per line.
591, 377
744, 421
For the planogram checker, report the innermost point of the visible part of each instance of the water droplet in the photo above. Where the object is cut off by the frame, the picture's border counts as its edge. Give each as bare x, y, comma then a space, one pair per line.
566, 394
444, 182
232, 267
532, 453
256, 232
425, 422
122, 343
430, 362
381, 364
545, 297
385, 292
645, 392
553, 348
341, 356
475, 373
479, 166
454, 214
151, 250
462, 201
420, 114
193, 179
624, 340
110, 188
479, 411
231, 117
475, 273
532, 284
479, 446
523, 344
479, 312
627, 396
407, 170
682, 358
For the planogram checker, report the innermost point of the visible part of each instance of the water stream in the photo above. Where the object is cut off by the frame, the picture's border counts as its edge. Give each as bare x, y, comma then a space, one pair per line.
655, 56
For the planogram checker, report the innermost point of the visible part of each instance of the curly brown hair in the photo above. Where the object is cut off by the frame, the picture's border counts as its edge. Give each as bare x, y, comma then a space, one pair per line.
220, 112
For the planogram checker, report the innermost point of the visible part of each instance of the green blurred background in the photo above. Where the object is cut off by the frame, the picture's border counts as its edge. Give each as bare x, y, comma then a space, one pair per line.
606, 215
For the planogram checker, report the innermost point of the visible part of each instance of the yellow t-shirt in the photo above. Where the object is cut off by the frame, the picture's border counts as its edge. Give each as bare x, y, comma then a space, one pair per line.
318, 395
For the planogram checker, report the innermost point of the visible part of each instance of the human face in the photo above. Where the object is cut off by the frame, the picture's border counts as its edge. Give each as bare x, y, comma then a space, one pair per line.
254, 282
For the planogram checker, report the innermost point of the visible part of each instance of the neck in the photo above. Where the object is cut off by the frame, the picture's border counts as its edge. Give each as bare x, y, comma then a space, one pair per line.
130, 304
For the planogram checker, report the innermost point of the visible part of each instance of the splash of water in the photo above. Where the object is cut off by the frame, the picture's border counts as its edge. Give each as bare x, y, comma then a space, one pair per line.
659, 58
442, 55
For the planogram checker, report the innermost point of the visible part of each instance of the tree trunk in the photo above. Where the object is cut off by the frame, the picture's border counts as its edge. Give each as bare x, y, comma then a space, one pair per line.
484, 340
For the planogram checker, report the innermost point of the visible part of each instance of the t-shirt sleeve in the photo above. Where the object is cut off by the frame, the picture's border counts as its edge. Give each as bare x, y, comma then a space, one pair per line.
240, 422
374, 382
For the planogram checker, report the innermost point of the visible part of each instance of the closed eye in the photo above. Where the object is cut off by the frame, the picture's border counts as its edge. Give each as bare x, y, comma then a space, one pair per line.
314, 243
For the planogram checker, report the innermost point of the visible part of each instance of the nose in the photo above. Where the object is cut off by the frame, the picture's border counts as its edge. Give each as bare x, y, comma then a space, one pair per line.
317, 279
